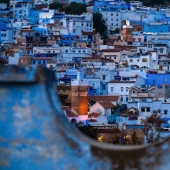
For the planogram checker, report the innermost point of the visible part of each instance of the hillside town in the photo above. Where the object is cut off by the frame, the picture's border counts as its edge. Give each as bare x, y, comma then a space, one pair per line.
111, 81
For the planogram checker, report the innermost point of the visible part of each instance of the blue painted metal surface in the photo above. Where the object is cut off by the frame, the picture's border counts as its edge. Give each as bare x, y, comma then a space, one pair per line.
34, 133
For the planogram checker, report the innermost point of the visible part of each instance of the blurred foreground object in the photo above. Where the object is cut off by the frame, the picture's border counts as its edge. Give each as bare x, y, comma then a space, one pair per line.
35, 134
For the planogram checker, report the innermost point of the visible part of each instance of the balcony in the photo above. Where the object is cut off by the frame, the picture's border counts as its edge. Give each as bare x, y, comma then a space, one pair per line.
35, 134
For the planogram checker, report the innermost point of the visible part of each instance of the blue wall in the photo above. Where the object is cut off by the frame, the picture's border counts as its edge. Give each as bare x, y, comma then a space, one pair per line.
157, 79
156, 28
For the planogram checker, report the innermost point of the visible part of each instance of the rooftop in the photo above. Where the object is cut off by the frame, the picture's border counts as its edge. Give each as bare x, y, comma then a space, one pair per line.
106, 104
104, 98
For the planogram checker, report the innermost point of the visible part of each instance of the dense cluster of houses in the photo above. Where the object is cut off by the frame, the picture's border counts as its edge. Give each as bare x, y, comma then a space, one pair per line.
112, 82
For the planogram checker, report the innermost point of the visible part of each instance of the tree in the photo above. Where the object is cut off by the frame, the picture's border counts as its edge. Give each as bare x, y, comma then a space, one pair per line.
99, 23
87, 130
56, 5
91, 102
152, 128
116, 31
134, 138
5, 1
115, 108
75, 8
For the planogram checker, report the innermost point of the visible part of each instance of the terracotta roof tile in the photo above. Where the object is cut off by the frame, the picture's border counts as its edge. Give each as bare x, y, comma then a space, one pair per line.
106, 104
69, 112
104, 98
117, 81
92, 120
42, 58
94, 115
90, 33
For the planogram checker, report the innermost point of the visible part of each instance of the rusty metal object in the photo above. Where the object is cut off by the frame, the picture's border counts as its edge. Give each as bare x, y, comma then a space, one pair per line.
34, 133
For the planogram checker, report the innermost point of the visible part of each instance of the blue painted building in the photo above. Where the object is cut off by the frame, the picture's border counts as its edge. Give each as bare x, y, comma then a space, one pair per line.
66, 40
157, 79
156, 27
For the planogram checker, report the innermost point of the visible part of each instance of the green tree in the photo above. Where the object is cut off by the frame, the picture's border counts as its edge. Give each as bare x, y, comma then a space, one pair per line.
75, 8
115, 108
99, 24
91, 102
116, 31
56, 5
152, 128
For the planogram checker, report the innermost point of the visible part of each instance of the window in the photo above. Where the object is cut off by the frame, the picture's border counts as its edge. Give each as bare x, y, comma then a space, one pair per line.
159, 87
137, 60
142, 109
149, 45
95, 45
165, 112
127, 98
139, 39
104, 77
161, 50
66, 51
121, 89
121, 98
111, 89
111, 14
133, 91
104, 86
148, 109
126, 89
74, 30
131, 60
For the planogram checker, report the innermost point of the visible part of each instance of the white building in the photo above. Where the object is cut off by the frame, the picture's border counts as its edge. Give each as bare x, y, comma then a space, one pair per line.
73, 53
120, 88
148, 106
148, 60
102, 108
113, 19
80, 24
